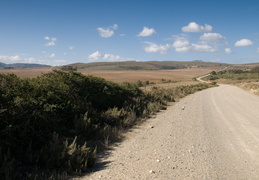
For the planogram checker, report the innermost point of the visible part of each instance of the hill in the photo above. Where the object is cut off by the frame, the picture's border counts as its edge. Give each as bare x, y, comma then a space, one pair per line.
20, 65
148, 65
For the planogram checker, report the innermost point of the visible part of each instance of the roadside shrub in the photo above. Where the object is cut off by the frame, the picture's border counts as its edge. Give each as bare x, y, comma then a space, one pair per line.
54, 124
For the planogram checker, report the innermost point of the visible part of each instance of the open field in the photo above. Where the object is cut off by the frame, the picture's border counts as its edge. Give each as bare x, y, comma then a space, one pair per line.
27, 72
177, 76
155, 76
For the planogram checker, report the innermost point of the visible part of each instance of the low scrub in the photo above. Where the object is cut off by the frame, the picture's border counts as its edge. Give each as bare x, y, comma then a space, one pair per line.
235, 74
251, 86
53, 125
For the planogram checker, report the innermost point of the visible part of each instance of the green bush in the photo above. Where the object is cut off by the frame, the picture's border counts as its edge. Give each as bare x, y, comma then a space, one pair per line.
46, 122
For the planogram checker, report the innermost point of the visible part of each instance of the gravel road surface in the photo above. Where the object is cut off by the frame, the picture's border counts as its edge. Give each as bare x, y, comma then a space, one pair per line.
212, 134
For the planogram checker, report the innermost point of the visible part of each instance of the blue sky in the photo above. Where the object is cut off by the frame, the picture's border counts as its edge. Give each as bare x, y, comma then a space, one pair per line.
58, 32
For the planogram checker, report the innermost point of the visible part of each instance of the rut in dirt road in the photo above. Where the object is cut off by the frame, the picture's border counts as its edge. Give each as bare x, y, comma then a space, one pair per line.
215, 136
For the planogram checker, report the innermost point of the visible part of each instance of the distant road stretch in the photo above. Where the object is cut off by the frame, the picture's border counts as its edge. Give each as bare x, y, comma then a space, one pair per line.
213, 134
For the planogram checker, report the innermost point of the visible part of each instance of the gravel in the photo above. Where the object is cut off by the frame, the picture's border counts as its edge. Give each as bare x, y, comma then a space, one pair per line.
215, 136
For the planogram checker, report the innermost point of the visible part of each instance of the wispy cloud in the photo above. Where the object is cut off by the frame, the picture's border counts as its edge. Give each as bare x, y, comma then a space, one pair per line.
71, 47
107, 32
51, 41
244, 42
194, 27
52, 55
147, 32
156, 48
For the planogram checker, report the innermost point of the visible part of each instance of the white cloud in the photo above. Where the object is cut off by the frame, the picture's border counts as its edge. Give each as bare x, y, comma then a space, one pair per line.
228, 51
19, 59
194, 27
71, 47
10, 59
181, 44
30, 60
97, 56
52, 55
51, 41
212, 37
257, 50
107, 32
111, 57
202, 48
154, 48
244, 42
147, 32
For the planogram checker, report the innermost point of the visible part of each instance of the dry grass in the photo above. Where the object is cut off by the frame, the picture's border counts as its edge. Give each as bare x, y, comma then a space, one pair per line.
153, 76
27, 72
250, 85
253, 87
177, 76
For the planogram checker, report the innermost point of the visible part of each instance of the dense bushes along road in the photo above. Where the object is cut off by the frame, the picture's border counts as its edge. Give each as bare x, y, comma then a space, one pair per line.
53, 124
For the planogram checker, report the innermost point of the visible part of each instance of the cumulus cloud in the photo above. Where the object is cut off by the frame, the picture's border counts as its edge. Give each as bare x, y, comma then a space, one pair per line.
97, 56
228, 51
194, 27
111, 57
71, 47
146, 32
51, 41
212, 37
244, 42
107, 32
156, 48
181, 44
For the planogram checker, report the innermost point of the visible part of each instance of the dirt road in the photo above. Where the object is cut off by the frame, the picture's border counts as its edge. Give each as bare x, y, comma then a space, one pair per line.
213, 134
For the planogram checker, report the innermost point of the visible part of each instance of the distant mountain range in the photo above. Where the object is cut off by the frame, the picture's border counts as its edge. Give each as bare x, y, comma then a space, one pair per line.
20, 65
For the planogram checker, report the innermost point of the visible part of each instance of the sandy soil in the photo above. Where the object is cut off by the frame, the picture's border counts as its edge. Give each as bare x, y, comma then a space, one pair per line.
213, 134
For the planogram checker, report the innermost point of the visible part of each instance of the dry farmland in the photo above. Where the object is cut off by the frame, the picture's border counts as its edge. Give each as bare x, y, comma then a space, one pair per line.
178, 76
155, 76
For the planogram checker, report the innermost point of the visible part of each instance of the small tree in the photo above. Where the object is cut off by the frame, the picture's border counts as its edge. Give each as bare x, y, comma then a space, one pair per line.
213, 73
69, 68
